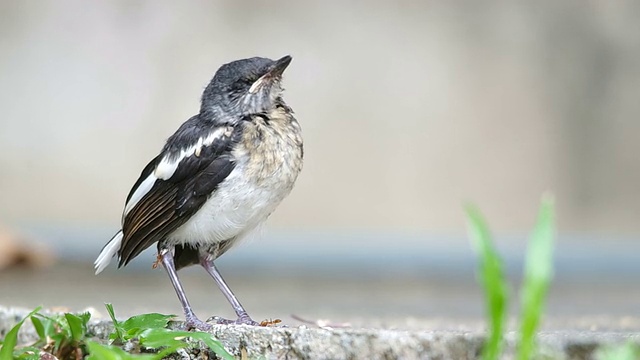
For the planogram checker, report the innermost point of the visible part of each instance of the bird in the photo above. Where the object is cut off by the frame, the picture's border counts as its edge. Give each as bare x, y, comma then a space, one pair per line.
216, 179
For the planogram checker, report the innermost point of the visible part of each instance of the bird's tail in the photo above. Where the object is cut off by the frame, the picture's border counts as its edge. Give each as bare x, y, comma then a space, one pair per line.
108, 251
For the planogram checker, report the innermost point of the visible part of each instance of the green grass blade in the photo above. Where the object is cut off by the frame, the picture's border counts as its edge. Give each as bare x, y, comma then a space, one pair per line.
538, 273
27, 353
77, 326
104, 352
109, 352
37, 324
48, 325
175, 339
147, 321
117, 327
156, 338
11, 339
492, 280
170, 341
213, 344
135, 325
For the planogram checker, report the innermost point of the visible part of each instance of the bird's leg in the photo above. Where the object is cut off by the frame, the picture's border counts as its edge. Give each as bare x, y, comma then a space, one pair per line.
191, 320
243, 317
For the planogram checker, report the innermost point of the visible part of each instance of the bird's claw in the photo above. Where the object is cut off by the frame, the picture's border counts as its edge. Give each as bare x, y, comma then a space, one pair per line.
193, 322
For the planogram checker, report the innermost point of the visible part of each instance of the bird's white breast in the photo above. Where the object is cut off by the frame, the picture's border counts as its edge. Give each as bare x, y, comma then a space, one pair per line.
262, 177
236, 208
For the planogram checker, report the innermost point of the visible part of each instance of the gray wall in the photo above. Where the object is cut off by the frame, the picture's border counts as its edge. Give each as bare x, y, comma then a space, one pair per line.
409, 108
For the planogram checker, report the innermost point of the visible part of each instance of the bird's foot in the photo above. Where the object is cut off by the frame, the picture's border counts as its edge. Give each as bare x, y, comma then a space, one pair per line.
192, 322
241, 320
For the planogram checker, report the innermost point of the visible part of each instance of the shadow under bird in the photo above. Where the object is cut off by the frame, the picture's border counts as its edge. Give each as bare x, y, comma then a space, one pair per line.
218, 177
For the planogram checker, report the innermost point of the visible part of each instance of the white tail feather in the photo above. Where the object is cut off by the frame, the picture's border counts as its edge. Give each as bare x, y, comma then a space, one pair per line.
108, 252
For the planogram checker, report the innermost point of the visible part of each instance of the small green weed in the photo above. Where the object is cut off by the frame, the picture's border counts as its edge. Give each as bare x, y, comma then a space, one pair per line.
151, 332
11, 340
628, 351
492, 279
61, 335
65, 336
538, 273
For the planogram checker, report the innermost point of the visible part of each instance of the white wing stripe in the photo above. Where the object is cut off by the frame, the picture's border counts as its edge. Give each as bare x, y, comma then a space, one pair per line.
216, 134
168, 166
140, 192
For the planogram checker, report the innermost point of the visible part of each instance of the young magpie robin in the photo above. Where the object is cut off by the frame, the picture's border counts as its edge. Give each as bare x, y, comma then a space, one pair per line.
221, 174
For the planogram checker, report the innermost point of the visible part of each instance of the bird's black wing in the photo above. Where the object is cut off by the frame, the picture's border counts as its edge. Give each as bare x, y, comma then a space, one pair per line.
175, 185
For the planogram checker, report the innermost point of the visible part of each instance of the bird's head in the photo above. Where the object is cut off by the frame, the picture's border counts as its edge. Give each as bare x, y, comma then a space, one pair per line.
243, 87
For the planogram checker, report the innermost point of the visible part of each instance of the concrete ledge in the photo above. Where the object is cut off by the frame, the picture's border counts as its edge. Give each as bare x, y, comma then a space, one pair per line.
325, 343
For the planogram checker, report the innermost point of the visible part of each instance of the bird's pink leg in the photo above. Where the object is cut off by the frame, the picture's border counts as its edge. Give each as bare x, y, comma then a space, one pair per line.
191, 320
243, 317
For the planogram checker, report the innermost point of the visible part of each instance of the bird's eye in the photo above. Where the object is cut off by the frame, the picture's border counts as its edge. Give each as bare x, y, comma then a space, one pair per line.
241, 84
246, 81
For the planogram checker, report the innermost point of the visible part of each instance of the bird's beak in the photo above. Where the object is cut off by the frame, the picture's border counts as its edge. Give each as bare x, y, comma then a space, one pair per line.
279, 66
274, 72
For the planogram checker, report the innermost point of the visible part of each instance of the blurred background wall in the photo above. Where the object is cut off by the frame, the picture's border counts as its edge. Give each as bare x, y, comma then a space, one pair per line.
409, 109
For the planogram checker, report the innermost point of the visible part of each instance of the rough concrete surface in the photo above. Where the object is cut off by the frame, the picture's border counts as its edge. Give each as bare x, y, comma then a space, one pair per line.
402, 316
304, 342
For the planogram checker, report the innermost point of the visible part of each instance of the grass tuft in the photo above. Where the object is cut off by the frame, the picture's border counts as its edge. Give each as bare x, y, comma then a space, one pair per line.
11, 339
538, 273
151, 331
65, 336
493, 282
